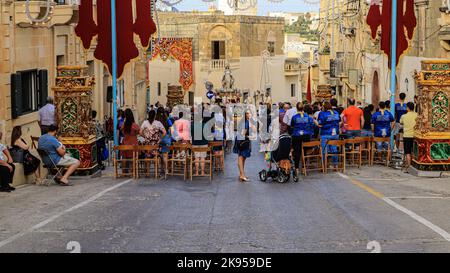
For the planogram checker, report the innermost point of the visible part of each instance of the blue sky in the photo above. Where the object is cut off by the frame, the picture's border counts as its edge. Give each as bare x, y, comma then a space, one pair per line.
263, 5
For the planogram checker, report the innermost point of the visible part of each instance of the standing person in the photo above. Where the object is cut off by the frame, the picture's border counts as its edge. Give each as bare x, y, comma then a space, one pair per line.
382, 123
400, 110
281, 117
152, 130
354, 118
302, 126
58, 154
120, 121
335, 107
47, 116
199, 140
367, 128
182, 129
166, 140
329, 121
242, 145
20, 152
292, 111
101, 141
7, 168
130, 131
409, 122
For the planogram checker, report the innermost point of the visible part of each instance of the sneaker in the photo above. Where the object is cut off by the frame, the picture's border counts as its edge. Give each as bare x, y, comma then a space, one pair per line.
11, 188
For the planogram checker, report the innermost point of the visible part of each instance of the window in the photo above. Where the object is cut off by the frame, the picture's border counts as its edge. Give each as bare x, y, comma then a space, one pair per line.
159, 88
218, 50
121, 92
271, 48
28, 91
293, 91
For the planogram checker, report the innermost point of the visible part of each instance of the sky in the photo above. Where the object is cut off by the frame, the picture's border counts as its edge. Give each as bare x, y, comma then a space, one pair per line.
264, 6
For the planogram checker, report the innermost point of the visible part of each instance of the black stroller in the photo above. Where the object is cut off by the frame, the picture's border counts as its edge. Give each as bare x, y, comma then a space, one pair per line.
282, 161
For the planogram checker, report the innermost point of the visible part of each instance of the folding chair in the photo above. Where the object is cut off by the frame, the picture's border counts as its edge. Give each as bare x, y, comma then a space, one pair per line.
34, 142
312, 161
353, 152
178, 159
53, 170
125, 163
381, 156
208, 161
146, 157
218, 157
340, 155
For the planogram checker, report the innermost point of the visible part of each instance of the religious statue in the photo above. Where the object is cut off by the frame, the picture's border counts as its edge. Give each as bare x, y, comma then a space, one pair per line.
227, 79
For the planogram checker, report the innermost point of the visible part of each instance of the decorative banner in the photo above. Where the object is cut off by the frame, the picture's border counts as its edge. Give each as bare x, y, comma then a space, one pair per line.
87, 29
181, 50
406, 19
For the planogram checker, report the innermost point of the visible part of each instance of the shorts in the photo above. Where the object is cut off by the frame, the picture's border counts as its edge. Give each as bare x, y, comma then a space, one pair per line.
408, 145
398, 129
200, 154
67, 161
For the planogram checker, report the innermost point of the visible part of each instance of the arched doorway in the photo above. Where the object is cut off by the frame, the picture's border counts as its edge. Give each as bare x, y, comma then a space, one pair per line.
375, 89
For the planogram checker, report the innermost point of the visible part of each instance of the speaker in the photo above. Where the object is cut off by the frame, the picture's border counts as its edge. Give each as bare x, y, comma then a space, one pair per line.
109, 94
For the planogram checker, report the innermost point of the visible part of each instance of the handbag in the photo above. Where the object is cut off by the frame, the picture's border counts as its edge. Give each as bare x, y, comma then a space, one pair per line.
244, 145
30, 163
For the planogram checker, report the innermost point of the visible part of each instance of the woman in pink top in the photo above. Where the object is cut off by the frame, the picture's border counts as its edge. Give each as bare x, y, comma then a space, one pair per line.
182, 129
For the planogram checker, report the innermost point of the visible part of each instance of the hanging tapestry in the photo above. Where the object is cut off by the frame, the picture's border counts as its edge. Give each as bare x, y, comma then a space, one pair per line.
406, 23
87, 29
181, 50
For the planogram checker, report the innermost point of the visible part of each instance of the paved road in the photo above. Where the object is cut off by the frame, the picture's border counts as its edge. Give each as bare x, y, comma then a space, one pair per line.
321, 213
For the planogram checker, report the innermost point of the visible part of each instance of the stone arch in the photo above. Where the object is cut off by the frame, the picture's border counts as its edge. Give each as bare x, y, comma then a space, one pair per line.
220, 33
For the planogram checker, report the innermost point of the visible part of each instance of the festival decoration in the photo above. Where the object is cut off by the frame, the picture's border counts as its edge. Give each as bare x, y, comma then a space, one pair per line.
87, 29
73, 103
406, 23
432, 133
181, 50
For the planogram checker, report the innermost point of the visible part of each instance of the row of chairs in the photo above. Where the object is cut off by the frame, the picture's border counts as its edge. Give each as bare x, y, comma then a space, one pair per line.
146, 161
350, 153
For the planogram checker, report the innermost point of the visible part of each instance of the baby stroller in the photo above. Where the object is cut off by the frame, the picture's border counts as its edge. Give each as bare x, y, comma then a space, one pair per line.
282, 161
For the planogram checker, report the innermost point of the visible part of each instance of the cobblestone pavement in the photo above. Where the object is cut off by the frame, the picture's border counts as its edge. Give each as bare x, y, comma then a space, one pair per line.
321, 213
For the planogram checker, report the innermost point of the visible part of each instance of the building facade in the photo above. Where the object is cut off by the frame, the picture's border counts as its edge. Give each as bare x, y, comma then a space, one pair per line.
237, 41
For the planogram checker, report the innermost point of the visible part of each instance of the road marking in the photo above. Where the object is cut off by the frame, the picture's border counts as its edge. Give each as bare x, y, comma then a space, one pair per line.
444, 234
419, 197
56, 216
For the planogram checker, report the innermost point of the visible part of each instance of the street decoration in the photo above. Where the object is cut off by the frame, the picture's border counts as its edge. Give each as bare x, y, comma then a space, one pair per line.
73, 104
432, 133
406, 23
181, 50
143, 26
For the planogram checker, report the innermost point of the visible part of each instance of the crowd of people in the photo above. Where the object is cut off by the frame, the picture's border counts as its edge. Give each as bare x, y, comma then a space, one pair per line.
303, 121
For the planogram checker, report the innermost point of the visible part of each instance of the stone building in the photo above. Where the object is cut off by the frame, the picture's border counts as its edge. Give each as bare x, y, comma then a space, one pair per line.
220, 40
29, 55
353, 63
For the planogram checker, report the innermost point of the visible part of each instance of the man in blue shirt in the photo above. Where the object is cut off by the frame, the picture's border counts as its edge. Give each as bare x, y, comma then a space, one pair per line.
57, 153
400, 110
382, 123
329, 121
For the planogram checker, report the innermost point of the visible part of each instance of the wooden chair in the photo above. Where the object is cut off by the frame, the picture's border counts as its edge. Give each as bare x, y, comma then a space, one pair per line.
178, 159
125, 163
366, 150
220, 166
381, 156
147, 156
353, 152
208, 161
340, 146
312, 161
34, 142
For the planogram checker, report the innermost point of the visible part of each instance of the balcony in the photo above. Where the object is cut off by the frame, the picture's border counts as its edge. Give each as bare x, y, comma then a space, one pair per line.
291, 68
218, 64
61, 12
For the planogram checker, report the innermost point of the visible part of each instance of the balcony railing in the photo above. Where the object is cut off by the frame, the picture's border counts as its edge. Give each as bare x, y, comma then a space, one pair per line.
218, 64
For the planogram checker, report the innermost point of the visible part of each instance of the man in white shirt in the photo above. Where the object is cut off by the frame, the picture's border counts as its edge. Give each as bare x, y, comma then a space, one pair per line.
291, 112
47, 116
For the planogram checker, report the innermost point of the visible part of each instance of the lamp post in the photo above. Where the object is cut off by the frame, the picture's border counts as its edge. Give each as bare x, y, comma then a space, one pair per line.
393, 61
114, 68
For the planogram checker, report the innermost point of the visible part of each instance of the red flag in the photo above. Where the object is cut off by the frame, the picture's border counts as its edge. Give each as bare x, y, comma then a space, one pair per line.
308, 90
406, 23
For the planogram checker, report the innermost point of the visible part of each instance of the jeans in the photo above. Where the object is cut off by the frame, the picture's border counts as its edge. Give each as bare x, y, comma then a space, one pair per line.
383, 146
353, 133
366, 133
331, 149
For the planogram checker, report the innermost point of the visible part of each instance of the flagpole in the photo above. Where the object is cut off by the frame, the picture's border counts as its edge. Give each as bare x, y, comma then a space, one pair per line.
393, 61
114, 68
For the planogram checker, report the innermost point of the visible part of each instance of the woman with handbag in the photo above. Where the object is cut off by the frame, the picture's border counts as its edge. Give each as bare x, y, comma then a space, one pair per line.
242, 147
20, 152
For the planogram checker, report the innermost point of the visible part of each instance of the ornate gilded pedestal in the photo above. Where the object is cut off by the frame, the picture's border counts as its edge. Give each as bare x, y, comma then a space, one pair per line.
432, 133
324, 93
73, 100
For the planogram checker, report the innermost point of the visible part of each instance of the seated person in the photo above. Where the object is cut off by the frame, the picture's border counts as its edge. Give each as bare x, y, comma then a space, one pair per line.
57, 152
6, 168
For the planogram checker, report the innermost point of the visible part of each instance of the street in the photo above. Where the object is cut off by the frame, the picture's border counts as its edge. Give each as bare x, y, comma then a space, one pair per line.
321, 213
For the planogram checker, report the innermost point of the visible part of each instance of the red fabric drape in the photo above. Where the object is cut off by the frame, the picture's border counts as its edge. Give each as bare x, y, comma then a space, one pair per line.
308, 90
406, 23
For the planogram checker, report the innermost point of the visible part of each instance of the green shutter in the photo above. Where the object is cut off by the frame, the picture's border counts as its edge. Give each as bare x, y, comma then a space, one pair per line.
16, 92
